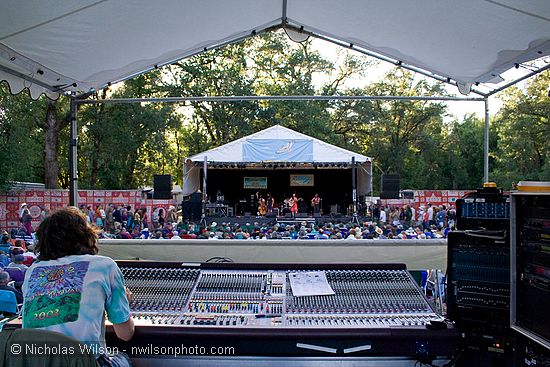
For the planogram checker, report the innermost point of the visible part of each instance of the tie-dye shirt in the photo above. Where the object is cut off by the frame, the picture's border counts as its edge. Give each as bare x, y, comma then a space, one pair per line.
70, 295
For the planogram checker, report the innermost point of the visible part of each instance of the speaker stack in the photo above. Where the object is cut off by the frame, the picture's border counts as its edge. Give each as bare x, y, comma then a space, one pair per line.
390, 186
162, 185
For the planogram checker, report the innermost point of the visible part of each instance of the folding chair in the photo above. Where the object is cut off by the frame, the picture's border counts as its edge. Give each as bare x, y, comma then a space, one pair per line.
8, 302
9, 309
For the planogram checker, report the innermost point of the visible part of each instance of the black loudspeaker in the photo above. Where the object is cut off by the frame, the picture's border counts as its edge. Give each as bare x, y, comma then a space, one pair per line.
162, 186
389, 186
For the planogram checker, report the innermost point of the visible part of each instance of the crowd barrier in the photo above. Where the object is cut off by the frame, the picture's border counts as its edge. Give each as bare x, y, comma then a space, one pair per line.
416, 254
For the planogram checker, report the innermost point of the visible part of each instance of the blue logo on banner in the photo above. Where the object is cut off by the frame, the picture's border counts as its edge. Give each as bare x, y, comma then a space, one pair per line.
279, 150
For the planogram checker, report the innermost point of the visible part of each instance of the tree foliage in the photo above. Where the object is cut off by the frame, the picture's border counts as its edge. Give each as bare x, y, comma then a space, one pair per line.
121, 146
402, 137
523, 128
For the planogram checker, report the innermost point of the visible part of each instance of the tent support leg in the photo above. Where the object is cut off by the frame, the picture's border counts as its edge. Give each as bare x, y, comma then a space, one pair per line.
486, 143
354, 190
73, 151
204, 193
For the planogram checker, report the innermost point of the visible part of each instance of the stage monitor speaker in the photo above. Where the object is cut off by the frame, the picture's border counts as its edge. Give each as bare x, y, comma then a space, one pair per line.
162, 185
389, 186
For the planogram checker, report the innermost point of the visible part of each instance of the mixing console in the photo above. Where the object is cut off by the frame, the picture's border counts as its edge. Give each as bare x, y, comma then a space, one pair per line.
243, 304
228, 298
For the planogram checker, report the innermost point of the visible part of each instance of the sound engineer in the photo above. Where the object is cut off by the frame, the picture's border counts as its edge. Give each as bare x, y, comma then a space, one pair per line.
70, 287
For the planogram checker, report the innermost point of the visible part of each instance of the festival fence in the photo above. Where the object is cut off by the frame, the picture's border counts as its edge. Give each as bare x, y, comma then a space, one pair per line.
36, 199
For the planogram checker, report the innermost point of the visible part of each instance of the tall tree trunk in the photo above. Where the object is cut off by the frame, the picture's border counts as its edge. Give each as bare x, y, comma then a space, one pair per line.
51, 141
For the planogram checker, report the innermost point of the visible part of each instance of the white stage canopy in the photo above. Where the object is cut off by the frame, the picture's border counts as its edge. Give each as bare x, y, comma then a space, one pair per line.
278, 144
84, 45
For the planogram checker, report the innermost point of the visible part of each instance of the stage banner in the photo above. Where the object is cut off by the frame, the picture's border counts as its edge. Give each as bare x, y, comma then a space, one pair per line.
279, 150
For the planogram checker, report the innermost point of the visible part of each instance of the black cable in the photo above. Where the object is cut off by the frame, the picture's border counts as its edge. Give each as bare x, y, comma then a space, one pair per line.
453, 360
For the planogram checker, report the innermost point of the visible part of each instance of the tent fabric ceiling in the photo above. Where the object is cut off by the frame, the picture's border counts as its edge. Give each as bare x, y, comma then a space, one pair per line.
81, 45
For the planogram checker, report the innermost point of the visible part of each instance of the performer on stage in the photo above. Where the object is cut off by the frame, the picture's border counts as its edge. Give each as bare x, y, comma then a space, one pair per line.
270, 203
315, 203
262, 207
293, 201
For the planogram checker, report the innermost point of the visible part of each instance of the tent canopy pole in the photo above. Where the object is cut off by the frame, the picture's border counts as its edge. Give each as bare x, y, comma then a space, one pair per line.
486, 143
73, 153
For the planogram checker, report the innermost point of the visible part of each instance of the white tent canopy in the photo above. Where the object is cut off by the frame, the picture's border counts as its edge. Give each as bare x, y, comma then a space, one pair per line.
84, 45
278, 144
280, 136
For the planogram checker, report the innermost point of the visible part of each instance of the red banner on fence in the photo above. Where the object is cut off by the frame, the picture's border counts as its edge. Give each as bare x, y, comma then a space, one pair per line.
37, 199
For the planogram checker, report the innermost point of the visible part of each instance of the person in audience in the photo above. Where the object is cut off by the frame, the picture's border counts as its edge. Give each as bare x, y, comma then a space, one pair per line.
5, 243
4, 280
4, 259
21, 244
172, 216
138, 218
161, 218
124, 234
26, 219
18, 263
16, 251
109, 219
29, 255
76, 287
99, 216
117, 215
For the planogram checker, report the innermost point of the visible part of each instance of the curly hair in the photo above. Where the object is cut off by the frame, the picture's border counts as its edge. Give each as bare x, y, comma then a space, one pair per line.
65, 232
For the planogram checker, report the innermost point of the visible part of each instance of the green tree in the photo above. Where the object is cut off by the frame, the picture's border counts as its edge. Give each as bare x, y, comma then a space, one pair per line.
464, 146
403, 137
22, 138
123, 145
523, 127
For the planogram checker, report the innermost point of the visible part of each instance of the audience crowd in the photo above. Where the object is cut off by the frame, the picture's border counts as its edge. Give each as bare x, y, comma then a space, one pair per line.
388, 222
